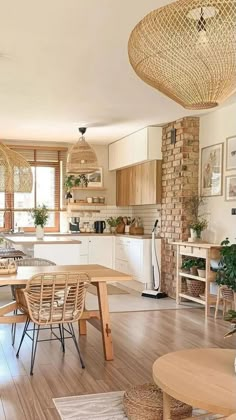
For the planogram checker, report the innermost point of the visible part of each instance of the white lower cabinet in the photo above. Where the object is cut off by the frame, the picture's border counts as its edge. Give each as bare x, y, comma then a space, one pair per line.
101, 251
96, 250
133, 256
128, 255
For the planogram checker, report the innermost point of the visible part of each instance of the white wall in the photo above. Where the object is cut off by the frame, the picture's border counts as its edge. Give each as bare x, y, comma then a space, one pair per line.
215, 127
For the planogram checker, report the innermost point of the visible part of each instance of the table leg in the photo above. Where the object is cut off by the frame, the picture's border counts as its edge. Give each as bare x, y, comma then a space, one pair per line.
105, 320
166, 406
82, 327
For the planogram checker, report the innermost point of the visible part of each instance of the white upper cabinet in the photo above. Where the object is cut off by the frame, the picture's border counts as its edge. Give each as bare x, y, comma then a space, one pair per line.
141, 146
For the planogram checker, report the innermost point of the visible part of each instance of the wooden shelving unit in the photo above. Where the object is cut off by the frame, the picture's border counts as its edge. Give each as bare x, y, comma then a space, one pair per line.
196, 250
88, 188
86, 204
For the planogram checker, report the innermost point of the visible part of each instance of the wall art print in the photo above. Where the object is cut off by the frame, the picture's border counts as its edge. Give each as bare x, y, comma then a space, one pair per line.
212, 170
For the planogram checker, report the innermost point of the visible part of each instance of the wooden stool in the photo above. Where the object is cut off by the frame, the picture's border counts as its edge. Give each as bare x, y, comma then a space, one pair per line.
146, 402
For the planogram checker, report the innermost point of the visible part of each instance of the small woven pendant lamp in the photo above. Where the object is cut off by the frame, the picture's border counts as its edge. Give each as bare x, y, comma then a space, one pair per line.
15, 172
81, 157
187, 50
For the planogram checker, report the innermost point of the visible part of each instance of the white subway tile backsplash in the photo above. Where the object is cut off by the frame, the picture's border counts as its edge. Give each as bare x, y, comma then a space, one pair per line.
148, 215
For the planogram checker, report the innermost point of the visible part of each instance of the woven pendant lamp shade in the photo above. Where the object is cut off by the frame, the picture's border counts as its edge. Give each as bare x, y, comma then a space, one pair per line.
187, 50
15, 172
81, 158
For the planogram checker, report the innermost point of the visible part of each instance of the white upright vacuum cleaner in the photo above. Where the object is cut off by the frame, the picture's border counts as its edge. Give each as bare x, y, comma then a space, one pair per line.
156, 275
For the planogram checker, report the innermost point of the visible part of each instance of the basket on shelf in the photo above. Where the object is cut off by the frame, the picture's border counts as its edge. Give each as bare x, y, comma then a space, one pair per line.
136, 230
146, 402
195, 287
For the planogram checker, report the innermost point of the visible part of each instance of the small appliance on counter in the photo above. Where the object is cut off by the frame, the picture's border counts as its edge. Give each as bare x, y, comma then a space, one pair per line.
74, 224
99, 226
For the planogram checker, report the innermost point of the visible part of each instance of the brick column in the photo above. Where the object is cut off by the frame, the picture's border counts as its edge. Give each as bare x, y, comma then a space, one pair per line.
180, 170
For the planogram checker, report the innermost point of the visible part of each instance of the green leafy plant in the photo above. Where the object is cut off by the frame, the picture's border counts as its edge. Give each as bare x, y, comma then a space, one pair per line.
226, 274
114, 221
199, 225
39, 215
69, 182
188, 263
201, 263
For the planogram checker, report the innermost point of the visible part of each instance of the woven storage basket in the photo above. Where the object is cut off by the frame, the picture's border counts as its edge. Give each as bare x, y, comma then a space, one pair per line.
195, 287
145, 402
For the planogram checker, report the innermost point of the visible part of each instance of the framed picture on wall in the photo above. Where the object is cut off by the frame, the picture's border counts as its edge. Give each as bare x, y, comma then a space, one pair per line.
230, 188
95, 179
230, 153
212, 170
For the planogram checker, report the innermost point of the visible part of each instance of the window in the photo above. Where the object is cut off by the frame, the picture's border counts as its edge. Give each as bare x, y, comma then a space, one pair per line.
48, 168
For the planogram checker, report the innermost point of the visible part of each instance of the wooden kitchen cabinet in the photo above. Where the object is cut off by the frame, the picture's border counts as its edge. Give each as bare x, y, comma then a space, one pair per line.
139, 184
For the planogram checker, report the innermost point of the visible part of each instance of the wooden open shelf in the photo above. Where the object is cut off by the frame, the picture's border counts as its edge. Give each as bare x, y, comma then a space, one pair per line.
85, 204
193, 298
191, 276
89, 188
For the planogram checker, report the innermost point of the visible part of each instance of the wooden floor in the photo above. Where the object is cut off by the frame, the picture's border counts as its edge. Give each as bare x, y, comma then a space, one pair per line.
139, 338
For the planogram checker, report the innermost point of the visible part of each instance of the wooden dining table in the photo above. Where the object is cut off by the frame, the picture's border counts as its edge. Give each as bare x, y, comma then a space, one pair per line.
99, 277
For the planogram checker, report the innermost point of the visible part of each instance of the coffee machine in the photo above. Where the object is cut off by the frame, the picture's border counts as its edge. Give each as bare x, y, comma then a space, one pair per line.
74, 224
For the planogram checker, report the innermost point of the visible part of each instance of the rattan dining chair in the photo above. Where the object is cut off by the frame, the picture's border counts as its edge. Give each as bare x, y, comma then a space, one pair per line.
26, 262
49, 299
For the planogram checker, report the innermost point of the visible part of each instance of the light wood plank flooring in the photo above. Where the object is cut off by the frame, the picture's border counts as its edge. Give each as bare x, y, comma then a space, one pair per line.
139, 338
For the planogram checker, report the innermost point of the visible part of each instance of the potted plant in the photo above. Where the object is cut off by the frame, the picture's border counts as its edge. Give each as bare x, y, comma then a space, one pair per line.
199, 223
40, 217
69, 183
113, 222
189, 265
201, 267
194, 287
197, 227
226, 273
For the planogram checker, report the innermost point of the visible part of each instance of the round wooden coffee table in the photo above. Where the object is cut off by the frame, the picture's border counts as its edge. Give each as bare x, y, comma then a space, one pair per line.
203, 378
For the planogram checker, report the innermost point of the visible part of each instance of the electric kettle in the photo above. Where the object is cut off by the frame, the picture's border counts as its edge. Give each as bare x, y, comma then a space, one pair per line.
99, 226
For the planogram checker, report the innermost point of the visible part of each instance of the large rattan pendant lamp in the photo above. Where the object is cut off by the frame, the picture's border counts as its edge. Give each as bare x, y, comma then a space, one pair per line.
15, 172
81, 157
187, 50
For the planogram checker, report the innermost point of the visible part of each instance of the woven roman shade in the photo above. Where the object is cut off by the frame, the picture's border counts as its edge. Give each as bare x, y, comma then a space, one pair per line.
187, 50
15, 172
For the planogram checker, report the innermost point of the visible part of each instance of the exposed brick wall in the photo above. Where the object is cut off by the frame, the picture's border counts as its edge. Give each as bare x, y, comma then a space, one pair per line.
179, 181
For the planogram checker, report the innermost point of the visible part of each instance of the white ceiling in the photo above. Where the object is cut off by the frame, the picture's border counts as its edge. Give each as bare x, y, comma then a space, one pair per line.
64, 64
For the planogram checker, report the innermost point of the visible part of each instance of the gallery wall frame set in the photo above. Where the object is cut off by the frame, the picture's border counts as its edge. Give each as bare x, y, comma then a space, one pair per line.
230, 188
212, 170
231, 153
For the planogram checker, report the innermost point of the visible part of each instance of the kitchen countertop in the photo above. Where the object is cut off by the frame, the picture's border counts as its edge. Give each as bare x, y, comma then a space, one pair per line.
61, 235
49, 240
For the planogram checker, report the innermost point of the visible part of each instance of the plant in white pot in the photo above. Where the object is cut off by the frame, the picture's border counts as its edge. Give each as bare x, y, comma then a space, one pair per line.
40, 217
198, 222
197, 227
113, 222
